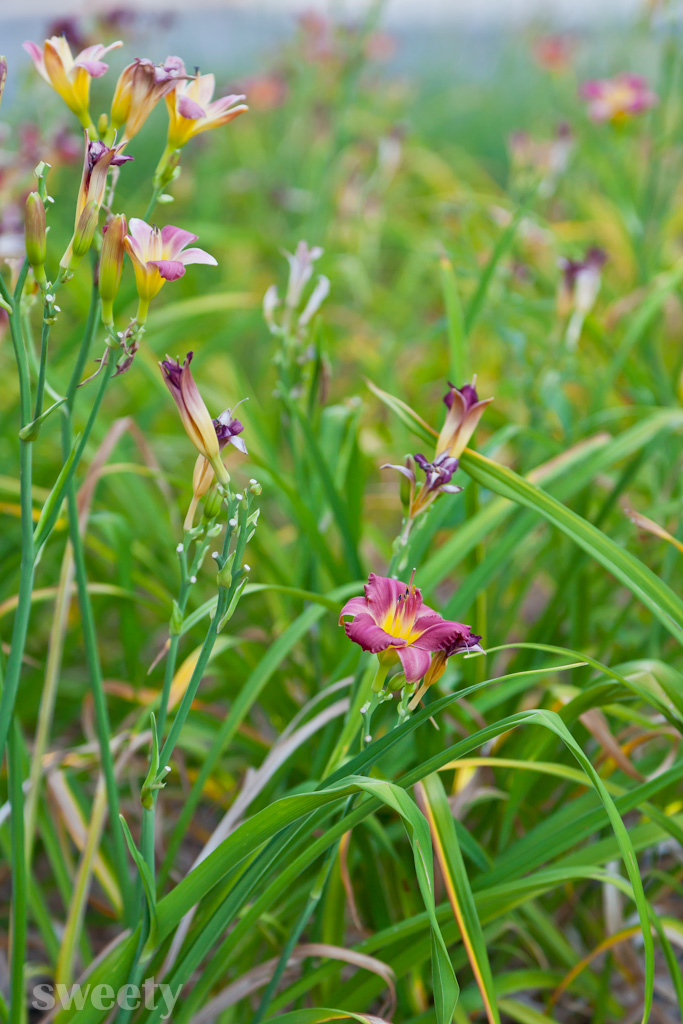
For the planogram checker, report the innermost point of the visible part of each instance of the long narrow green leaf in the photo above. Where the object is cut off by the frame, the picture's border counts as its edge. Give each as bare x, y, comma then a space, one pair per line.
640, 580
447, 849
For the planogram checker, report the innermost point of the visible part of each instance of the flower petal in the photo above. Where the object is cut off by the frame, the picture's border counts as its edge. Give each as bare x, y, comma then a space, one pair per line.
415, 662
189, 109
239, 444
175, 239
198, 256
441, 635
170, 270
365, 632
354, 606
382, 594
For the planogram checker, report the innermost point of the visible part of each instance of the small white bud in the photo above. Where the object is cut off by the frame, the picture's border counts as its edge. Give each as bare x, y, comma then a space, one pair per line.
247, 568
239, 496
180, 548
253, 480
232, 522
215, 555
193, 579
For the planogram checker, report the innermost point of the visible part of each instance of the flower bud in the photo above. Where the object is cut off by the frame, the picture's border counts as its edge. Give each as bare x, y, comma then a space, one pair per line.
34, 229
212, 505
82, 237
111, 265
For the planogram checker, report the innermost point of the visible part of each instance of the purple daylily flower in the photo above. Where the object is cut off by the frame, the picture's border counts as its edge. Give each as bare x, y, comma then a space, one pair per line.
438, 473
581, 281
465, 409
438, 476
392, 619
228, 431
207, 435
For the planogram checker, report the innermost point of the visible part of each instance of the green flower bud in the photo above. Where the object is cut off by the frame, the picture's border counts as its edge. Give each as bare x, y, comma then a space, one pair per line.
82, 236
34, 230
111, 265
212, 505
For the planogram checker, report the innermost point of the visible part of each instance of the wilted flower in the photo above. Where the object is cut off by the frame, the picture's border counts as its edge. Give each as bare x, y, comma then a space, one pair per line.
68, 75
207, 435
392, 620
97, 161
192, 109
438, 476
465, 409
581, 282
140, 87
3, 75
619, 98
159, 255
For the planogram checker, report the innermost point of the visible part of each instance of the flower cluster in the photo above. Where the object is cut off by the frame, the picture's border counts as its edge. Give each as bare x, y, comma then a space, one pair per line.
465, 409
157, 254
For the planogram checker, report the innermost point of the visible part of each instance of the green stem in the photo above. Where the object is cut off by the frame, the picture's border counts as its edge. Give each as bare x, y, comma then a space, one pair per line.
40, 387
174, 643
88, 619
19, 881
27, 568
225, 595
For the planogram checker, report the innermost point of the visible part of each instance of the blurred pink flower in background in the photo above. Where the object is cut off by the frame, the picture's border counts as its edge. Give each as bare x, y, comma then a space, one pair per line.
554, 52
619, 98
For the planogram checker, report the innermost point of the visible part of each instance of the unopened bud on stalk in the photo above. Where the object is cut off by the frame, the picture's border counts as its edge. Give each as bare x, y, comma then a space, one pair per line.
82, 237
34, 227
212, 505
111, 265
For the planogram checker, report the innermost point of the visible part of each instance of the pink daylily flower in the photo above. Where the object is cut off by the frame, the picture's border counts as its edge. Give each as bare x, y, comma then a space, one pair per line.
160, 255
392, 619
68, 75
616, 99
192, 109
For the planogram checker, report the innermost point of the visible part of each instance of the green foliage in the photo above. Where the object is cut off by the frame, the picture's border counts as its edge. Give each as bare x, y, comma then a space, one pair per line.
261, 845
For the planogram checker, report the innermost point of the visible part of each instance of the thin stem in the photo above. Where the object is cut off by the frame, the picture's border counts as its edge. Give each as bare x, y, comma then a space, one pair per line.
172, 655
40, 386
224, 596
23, 611
87, 616
19, 881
